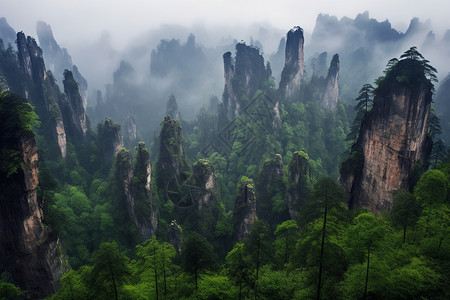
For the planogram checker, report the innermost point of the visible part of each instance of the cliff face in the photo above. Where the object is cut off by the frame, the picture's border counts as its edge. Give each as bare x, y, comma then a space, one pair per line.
298, 180
230, 101
7, 33
29, 253
393, 140
175, 235
244, 214
74, 108
204, 178
271, 192
331, 95
46, 95
145, 212
442, 100
137, 189
243, 76
58, 59
319, 65
82, 84
52, 97
294, 64
30, 58
129, 131
171, 164
110, 139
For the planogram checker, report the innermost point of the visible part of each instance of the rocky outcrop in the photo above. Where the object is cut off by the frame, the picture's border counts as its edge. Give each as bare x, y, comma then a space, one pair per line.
244, 214
74, 110
244, 75
230, 102
7, 33
172, 108
204, 181
272, 205
319, 65
82, 84
44, 92
277, 59
175, 235
52, 96
136, 185
393, 142
129, 131
110, 139
61, 137
30, 58
294, 64
57, 59
442, 101
331, 95
171, 166
124, 173
29, 252
298, 181
145, 211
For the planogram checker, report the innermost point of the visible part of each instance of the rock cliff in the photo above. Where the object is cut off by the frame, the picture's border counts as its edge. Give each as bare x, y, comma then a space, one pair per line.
145, 211
110, 139
442, 100
129, 131
29, 252
204, 179
30, 58
244, 213
74, 110
244, 74
393, 141
136, 186
299, 181
58, 59
7, 33
294, 64
171, 166
331, 95
43, 92
319, 65
82, 84
175, 235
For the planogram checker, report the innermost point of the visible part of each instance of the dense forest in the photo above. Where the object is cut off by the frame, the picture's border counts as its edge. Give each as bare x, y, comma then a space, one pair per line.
286, 187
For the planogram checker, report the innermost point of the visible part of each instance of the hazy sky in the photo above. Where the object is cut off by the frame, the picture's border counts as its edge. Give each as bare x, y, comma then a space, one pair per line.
78, 20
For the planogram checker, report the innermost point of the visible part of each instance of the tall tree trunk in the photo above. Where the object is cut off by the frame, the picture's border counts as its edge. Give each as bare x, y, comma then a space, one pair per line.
164, 270
113, 279
436, 158
195, 277
367, 271
156, 273
322, 247
257, 263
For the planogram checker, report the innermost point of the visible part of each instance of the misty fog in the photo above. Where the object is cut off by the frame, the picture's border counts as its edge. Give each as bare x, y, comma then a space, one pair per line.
139, 58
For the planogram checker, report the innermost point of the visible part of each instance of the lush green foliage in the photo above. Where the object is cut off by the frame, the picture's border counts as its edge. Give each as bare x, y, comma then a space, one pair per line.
363, 256
16, 118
